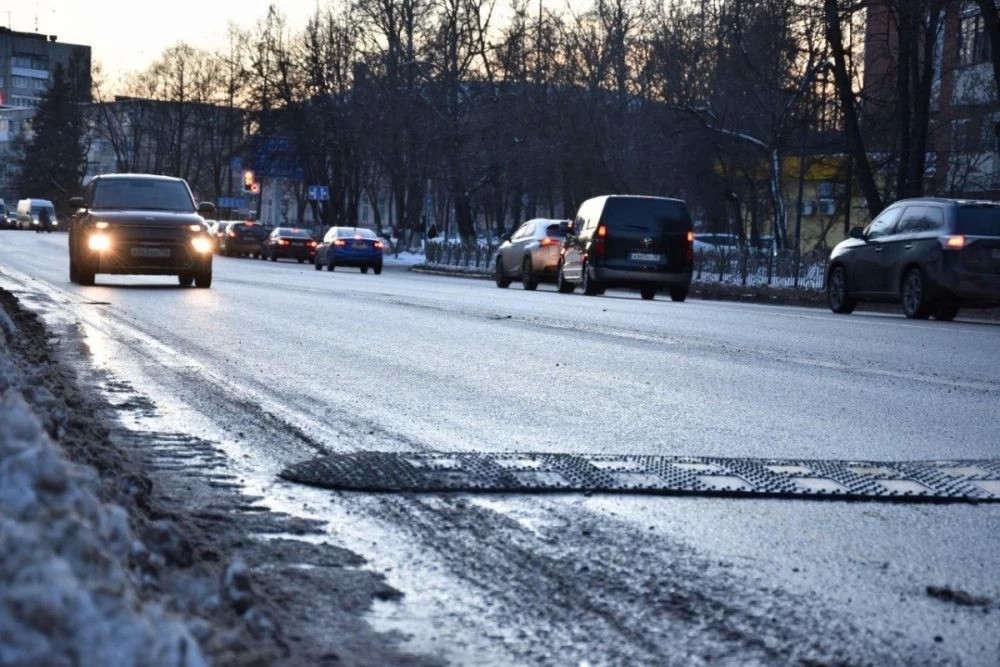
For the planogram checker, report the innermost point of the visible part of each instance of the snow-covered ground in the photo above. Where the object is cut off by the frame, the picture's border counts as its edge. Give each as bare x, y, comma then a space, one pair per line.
68, 593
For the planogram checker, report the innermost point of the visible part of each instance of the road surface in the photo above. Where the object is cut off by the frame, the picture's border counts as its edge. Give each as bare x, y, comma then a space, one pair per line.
278, 363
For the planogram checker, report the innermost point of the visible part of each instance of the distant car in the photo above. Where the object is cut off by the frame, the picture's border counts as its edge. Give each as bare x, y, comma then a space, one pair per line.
139, 224
242, 239
289, 242
350, 246
29, 215
629, 241
531, 254
932, 255
10, 220
716, 242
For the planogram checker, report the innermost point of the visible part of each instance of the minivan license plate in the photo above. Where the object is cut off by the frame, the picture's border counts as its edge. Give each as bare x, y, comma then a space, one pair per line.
645, 257
158, 253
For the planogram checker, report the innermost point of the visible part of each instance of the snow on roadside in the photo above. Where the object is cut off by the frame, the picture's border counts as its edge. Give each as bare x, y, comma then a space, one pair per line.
67, 596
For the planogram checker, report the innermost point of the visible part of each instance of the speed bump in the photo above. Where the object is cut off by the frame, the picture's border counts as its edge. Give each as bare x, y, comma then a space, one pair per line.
416, 472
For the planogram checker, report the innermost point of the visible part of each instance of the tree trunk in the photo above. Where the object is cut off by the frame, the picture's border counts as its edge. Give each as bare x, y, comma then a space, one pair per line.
852, 127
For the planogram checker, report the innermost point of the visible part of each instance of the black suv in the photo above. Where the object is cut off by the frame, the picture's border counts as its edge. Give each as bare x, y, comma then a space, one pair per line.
933, 255
629, 241
139, 224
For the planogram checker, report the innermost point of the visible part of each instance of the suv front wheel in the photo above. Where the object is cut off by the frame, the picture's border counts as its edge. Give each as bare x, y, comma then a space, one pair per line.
913, 293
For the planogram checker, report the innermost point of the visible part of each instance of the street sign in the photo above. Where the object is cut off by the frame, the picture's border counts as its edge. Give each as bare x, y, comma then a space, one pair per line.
319, 193
232, 202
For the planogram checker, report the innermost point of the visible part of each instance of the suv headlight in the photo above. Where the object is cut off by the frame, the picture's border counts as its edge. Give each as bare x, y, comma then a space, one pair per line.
99, 242
201, 244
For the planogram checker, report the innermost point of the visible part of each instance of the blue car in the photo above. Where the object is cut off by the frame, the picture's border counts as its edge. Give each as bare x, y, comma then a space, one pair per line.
350, 246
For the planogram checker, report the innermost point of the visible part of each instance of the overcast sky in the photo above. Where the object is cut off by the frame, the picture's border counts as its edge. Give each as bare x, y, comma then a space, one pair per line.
127, 35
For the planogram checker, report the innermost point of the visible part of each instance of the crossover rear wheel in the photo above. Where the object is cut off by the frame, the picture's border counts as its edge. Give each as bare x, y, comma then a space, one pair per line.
590, 286
679, 292
528, 278
647, 293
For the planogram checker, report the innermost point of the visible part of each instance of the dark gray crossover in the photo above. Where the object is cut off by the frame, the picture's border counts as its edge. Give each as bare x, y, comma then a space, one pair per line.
628, 241
140, 224
932, 255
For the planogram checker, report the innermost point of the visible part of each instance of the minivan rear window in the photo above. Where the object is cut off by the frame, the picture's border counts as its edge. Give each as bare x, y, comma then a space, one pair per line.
979, 220
647, 215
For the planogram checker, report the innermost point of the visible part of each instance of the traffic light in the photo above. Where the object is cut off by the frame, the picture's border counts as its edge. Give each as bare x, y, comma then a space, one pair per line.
250, 182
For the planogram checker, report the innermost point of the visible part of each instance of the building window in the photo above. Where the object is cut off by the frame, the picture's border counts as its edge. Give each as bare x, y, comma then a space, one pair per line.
973, 42
962, 137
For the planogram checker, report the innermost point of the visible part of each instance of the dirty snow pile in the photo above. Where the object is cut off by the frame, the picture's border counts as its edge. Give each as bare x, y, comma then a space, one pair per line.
67, 596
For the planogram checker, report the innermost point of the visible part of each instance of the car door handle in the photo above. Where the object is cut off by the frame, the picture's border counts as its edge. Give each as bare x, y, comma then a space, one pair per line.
907, 246
879, 249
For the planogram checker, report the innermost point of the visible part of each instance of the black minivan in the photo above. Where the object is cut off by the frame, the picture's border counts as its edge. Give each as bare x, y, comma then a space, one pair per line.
933, 255
644, 243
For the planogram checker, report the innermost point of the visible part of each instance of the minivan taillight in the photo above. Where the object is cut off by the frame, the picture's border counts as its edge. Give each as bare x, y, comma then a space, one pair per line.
600, 241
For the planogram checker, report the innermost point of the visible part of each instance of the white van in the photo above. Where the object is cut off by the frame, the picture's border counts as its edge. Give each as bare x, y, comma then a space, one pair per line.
28, 210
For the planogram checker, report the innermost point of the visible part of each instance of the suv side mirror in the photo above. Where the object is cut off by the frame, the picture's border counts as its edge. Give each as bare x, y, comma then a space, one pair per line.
856, 233
206, 208
76, 202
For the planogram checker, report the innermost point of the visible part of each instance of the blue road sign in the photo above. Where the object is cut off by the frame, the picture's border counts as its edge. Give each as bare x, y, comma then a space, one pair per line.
319, 193
232, 202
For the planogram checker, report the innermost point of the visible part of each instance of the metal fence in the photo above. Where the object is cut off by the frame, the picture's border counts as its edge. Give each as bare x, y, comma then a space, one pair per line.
732, 267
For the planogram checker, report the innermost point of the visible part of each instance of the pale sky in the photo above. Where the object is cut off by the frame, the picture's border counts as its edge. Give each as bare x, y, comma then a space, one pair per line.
127, 35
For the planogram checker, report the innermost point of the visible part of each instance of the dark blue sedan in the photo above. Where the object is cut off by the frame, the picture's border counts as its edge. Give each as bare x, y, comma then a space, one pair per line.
350, 246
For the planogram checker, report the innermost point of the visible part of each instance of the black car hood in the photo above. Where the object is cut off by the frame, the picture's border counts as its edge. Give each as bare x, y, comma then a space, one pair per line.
167, 218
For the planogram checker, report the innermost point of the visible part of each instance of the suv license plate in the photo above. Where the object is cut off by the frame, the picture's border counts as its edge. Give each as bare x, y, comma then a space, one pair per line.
645, 257
158, 253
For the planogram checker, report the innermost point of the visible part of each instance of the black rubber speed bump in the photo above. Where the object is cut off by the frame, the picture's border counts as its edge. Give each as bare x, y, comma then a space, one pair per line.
673, 475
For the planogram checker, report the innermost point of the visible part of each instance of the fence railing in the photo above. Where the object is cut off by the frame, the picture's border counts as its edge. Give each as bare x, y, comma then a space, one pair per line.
733, 267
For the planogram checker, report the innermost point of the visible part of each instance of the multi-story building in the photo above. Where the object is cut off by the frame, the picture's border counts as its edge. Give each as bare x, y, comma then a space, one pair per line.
963, 147
27, 63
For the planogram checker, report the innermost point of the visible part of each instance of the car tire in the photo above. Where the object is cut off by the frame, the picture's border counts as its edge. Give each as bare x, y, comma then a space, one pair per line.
364, 269
330, 265
647, 293
85, 274
913, 294
274, 256
203, 279
528, 279
301, 260
837, 296
378, 269
228, 253
563, 285
679, 293
185, 279
499, 275
590, 286
73, 271
317, 265
946, 311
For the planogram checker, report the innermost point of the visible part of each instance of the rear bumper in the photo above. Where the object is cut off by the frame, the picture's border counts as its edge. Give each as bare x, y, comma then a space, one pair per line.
294, 253
968, 288
341, 258
640, 278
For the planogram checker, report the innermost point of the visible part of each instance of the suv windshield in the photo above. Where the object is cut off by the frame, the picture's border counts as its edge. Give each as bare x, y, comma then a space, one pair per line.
647, 215
979, 220
143, 194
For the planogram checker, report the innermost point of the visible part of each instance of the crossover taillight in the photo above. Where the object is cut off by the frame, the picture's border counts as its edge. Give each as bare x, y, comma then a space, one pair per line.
952, 242
340, 242
547, 241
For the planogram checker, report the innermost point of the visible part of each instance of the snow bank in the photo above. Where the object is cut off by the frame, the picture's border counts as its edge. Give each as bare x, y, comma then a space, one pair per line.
67, 596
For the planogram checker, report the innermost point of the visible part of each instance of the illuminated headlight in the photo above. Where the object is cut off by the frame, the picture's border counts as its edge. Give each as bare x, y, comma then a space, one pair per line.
201, 244
99, 242
196, 228
101, 225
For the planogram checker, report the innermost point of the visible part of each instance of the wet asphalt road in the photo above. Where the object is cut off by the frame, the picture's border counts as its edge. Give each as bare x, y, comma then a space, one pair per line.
278, 362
